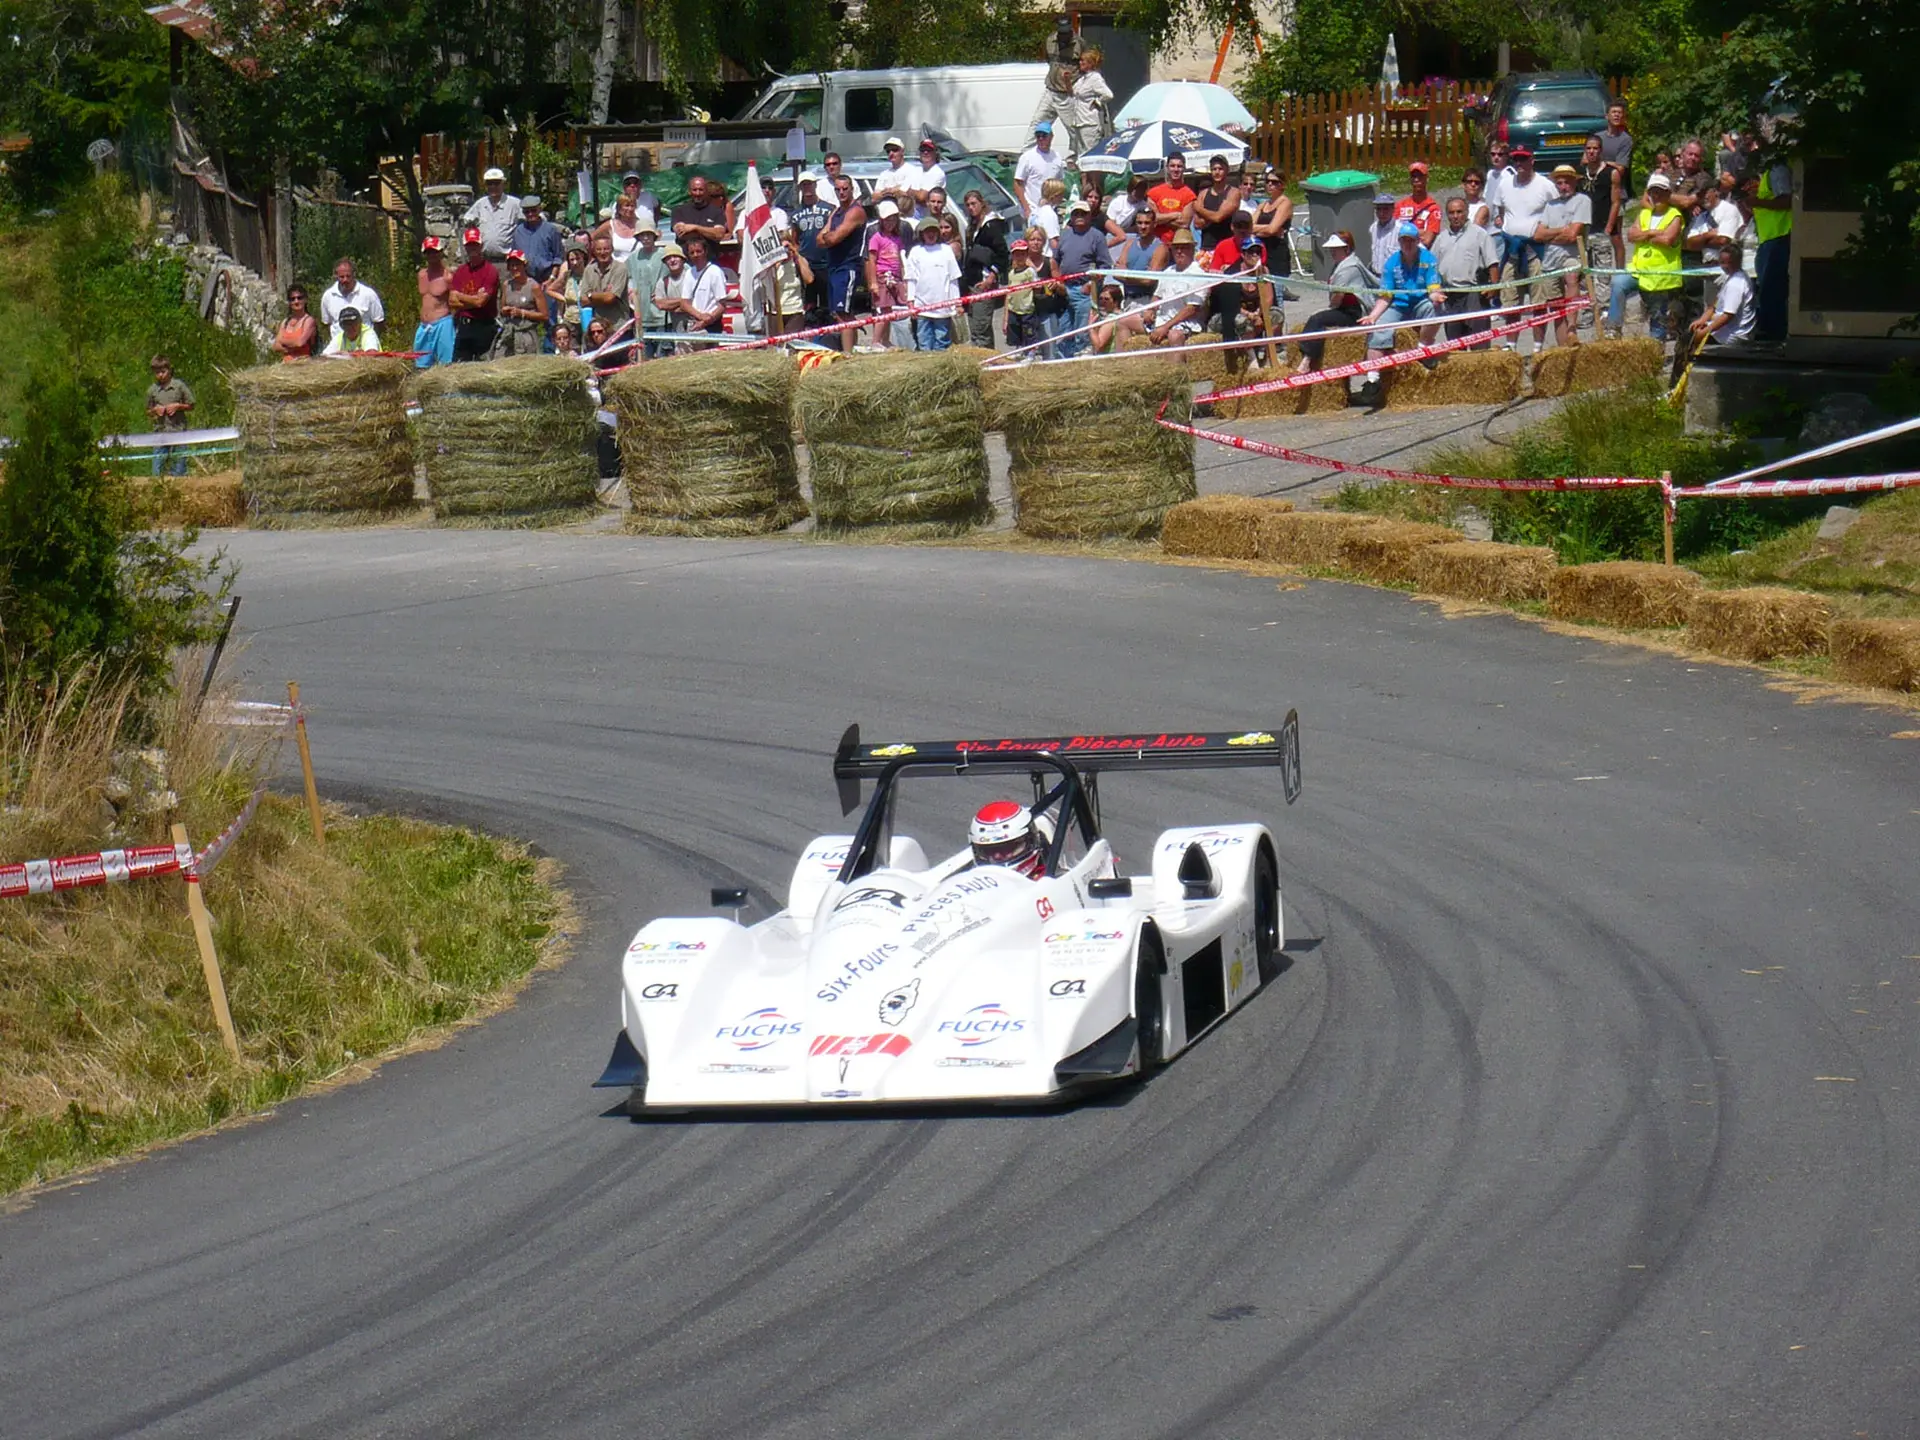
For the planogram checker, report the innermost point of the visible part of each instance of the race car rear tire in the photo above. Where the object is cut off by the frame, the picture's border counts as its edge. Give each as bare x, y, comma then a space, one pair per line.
1149, 1009
1266, 915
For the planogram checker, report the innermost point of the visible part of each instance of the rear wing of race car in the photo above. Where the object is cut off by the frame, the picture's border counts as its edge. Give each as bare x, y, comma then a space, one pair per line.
1089, 754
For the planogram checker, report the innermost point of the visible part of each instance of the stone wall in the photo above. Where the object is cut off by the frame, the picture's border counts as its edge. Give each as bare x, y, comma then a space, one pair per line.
252, 306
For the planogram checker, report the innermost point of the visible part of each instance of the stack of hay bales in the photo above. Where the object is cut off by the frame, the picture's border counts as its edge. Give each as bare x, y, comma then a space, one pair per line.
1628, 593
1219, 527
1307, 537
1763, 622
325, 441
1465, 377
1482, 570
706, 443
1088, 461
1877, 652
991, 378
897, 441
1596, 365
509, 441
1386, 551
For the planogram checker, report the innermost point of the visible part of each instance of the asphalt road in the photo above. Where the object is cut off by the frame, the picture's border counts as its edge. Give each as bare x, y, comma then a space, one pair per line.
1531, 1139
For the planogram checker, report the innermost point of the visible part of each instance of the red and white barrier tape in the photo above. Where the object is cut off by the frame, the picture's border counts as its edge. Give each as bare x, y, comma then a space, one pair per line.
1785, 489
210, 856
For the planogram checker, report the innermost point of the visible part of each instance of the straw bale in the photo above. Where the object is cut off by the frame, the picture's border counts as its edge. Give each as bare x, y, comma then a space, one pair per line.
1327, 395
897, 440
1387, 551
1306, 537
706, 443
203, 500
990, 379
1595, 365
1467, 377
1628, 593
1758, 623
1223, 527
1088, 461
1482, 570
325, 441
1877, 652
509, 441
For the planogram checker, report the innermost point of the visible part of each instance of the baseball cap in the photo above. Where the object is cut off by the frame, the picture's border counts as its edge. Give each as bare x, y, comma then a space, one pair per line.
493, 173
432, 242
1386, 199
1079, 207
532, 202
1045, 127
929, 143
814, 175
1408, 230
349, 314
472, 237
1519, 152
573, 247
519, 255
633, 175
930, 222
1566, 170
1419, 165
1183, 237
893, 143
1017, 245
886, 208
1333, 242
1658, 181
1241, 217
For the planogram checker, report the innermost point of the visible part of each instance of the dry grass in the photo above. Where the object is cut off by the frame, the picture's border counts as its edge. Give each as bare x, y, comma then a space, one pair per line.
1596, 365
1885, 653
1473, 377
1224, 527
209, 501
1761, 623
1629, 593
1481, 570
1306, 537
1388, 549
325, 442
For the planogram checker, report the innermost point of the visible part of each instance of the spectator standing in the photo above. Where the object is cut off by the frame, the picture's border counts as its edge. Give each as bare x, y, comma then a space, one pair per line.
433, 336
704, 215
1616, 149
703, 288
1733, 316
810, 217
1173, 200
666, 295
1412, 282
474, 296
1465, 256
622, 228
932, 276
984, 266
1063, 50
928, 176
1561, 235
563, 341
1046, 215
1499, 171
894, 183
1600, 183
1082, 249
169, 402
564, 288
1773, 228
1654, 267
1347, 284
1419, 206
1473, 190
522, 311
1383, 238
1241, 253
843, 242
604, 286
1092, 103
646, 204
645, 266
1273, 225
539, 239
495, 215
792, 274
347, 290
1215, 207
299, 334
352, 336
1524, 197
1038, 164
886, 274
1694, 178
1023, 326
1711, 222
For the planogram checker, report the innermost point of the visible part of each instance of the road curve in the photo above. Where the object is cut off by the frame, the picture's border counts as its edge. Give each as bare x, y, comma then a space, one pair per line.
1531, 1139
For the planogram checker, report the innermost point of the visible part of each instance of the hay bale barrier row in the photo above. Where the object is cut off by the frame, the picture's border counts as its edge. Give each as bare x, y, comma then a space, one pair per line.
207, 501
1483, 570
325, 443
1764, 622
1465, 377
1218, 527
1595, 365
509, 442
706, 444
897, 442
1088, 461
1885, 653
1386, 551
1306, 537
1631, 594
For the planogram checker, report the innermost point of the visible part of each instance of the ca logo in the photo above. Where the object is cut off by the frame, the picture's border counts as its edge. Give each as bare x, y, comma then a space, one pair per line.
1067, 987
660, 992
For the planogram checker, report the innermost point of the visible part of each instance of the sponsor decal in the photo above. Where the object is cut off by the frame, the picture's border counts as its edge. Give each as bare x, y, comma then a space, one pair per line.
1062, 988
895, 1004
742, 1069
1235, 974
853, 969
1252, 737
758, 1029
1083, 743
830, 857
893, 752
872, 895
1207, 840
934, 940
642, 947
1043, 907
974, 1062
841, 1094
982, 1025
849, 1045
659, 992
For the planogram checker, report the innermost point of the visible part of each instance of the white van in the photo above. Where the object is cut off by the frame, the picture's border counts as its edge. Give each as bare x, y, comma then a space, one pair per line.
983, 107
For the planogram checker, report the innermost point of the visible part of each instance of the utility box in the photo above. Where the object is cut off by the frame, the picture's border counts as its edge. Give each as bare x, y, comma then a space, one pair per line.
1338, 200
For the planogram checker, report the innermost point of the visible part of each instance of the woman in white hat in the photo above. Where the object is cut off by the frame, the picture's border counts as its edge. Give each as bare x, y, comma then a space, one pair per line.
886, 279
1350, 281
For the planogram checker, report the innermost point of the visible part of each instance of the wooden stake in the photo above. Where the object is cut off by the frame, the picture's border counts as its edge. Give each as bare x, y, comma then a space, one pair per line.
306, 761
1265, 293
1666, 511
209, 958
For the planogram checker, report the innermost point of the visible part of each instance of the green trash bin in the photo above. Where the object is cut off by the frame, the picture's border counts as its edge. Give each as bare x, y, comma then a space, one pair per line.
1338, 200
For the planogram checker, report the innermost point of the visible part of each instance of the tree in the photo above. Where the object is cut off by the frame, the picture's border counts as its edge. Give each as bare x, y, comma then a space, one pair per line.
936, 32
75, 71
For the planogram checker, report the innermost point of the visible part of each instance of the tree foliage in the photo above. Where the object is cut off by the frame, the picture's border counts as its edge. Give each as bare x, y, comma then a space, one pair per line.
936, 32
71, 72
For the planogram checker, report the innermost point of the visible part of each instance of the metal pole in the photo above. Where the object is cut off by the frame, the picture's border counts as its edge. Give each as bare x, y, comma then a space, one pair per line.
213, 660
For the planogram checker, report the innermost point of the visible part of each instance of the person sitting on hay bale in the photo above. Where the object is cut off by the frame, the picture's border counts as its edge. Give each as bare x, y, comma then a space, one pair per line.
1182, 311
1105, 336
473, 296
1348, 283
352, 336
433, 336
1412, 282
523, 311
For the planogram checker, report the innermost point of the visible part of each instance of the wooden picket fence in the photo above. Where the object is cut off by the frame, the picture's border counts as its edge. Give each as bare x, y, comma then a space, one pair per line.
1360, 129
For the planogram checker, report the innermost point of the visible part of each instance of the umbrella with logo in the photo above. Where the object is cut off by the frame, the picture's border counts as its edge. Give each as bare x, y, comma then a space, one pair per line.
1187, 100
1144, 148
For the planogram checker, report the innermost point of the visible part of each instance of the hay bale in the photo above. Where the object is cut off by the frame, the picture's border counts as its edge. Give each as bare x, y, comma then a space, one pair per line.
1758, 623
509, 441
1595, 365
1305, 537
1088, 461
1221, 527
990, 379
1482, 570
1628, 593
706, 443
1387, 551
1319, 399
1469, 377
325, 441
1877, 652
204, 500
898, 441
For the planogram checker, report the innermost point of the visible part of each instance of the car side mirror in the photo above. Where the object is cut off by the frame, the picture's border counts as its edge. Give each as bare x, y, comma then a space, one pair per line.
1110, 887
1197, 880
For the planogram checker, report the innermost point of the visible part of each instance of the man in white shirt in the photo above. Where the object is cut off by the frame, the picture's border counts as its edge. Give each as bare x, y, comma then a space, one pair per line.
1523, 200
1561, 235
702, 289
1384, 236
1038, 164
494, 215
896, 181
1183, 307
932, 273
928, 176
347, 292
1731, 320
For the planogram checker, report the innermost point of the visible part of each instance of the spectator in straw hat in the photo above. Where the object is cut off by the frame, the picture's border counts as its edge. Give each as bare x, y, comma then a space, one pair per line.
522, 312
645, 266
433, 336
1561, 235
473, 296
352, 336
1182, 311
666, 296
495, 215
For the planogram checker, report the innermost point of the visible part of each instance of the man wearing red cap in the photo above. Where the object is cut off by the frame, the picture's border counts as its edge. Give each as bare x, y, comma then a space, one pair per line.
433, 336
1418, 206
473, 296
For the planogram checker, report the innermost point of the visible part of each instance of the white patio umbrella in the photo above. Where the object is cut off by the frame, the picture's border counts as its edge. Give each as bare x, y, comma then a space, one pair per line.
1145, 148
1190, 101
1390, 71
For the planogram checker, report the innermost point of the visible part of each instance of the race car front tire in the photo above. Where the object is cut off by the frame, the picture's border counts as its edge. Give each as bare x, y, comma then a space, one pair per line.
1149, 1005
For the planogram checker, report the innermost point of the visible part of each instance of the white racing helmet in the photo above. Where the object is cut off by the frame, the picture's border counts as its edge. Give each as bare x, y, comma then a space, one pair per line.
1003, 833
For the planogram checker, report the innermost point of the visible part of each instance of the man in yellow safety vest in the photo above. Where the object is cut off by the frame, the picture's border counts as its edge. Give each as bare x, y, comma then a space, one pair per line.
1773, 228
1654, 269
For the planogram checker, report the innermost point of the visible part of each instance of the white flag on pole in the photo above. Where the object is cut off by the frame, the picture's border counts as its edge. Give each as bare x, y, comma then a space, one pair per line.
761, 247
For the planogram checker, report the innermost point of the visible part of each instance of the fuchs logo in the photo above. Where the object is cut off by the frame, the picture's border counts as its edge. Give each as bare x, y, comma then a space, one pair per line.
982, 1025
642, 946
758, 1029
829, 857
872, 895
1208, 840
893, 752
1252, 737
850, 1045
895, 1004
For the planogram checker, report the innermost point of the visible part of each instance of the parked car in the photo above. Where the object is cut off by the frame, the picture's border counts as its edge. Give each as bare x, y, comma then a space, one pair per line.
1548, 111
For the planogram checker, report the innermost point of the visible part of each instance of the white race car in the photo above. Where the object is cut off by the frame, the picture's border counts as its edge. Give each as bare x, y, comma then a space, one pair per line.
891, 980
